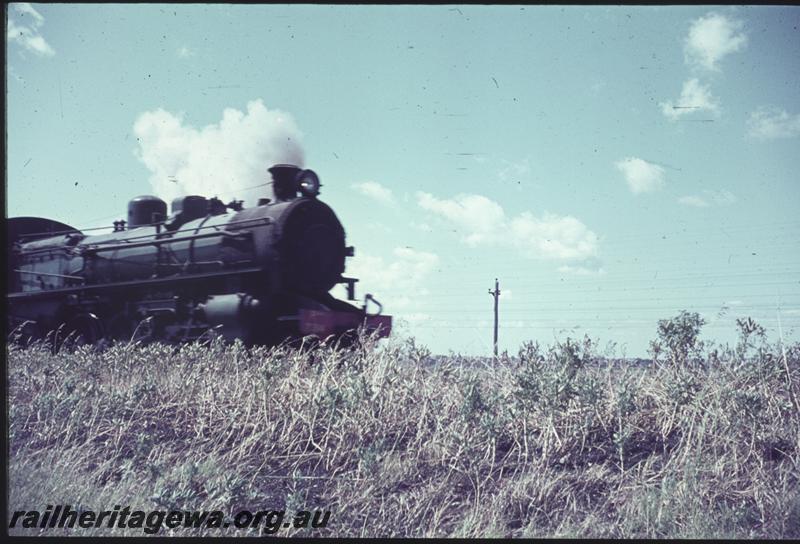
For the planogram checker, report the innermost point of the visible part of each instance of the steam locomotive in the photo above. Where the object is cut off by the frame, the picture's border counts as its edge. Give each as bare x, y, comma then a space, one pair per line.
262, 274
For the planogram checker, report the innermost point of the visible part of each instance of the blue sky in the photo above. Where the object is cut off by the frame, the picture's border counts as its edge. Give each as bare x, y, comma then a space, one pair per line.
610, 165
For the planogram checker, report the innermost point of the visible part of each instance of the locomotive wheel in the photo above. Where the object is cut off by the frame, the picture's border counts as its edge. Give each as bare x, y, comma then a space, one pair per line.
85, 329
120, 328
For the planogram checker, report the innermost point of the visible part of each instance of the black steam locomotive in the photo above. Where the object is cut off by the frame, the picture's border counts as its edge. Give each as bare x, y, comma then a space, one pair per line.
261, 274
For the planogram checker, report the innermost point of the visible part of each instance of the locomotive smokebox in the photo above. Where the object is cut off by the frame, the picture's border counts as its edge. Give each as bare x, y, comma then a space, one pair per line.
284, 181
146, 210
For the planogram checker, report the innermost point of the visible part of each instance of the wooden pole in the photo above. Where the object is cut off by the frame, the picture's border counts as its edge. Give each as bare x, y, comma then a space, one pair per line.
496, 295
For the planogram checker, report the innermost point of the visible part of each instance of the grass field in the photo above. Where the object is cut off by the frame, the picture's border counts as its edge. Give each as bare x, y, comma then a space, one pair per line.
557, 441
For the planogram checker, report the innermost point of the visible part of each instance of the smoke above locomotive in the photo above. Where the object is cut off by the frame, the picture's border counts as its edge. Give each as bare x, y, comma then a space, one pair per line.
262, 274
228, 158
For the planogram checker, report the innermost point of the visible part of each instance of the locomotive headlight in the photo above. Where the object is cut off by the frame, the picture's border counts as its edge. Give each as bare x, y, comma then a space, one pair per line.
308, 183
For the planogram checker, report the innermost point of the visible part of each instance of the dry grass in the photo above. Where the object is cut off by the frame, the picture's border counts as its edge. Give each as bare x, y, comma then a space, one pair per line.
553, 442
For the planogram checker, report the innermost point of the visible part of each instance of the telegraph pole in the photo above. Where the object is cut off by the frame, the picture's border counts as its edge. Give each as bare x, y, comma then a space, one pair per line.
496, 295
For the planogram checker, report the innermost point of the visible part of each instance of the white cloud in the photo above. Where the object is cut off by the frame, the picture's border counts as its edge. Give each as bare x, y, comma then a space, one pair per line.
581, 270
591, 266
184, 52
693, 200
721, 198
717, 198
405, 272
642, 176
398, 281
480, 217
483, 221
424, 227
769, 123
553, 236
711, 38
24, 8
375, 190
695, 98
25, 30
512, 171
225, 159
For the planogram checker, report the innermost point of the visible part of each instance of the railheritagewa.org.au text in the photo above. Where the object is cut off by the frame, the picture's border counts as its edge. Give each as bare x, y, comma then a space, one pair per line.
152, 521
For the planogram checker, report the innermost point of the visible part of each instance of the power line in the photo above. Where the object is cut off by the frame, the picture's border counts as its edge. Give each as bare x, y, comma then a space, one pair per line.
626, 290
600, 285
564, 299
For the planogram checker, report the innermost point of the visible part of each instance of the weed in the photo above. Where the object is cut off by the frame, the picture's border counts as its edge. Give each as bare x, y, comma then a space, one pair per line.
395, 442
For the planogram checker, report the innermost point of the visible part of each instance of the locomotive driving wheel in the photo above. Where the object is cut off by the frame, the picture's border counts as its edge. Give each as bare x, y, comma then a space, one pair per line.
119, 328
85, 329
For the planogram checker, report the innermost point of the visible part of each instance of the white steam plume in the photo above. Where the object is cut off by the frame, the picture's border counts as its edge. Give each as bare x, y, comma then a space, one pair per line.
226, 159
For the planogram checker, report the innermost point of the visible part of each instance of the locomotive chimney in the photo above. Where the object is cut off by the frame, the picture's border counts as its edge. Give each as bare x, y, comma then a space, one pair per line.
284, 181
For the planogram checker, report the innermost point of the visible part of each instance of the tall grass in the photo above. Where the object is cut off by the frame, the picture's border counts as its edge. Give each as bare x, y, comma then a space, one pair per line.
554, 442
